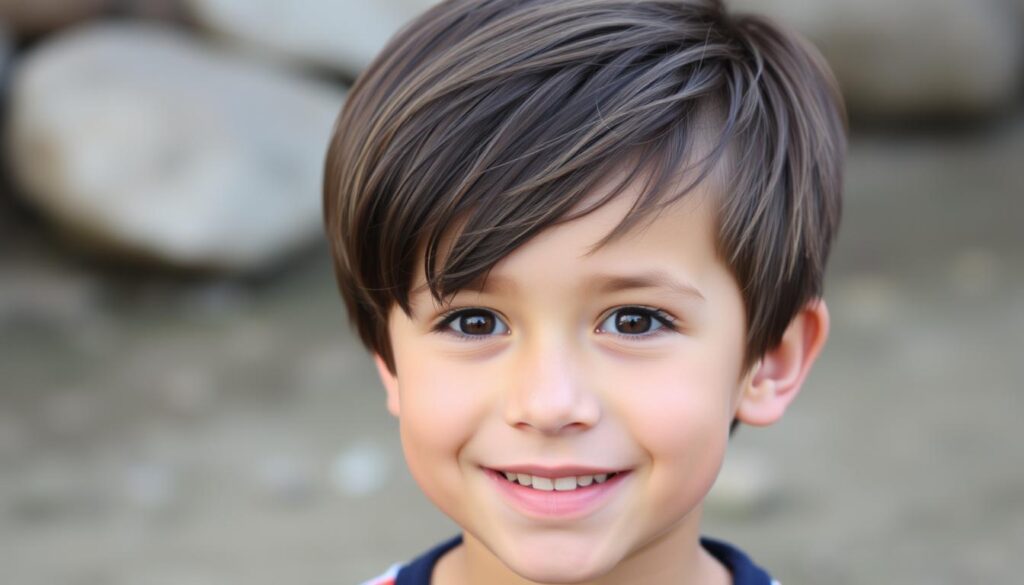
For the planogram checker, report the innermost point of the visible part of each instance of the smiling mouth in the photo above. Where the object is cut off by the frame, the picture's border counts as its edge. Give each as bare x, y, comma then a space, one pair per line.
559, 484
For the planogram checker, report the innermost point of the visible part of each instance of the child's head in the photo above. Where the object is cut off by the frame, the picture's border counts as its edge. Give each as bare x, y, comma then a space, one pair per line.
585, 236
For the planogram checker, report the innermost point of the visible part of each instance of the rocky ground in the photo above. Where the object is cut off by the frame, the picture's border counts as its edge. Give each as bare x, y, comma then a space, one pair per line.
166, 429
163, 426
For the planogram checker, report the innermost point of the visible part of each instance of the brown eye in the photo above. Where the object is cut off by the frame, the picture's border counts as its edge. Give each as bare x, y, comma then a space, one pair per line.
636, 322
475, 323
632, 323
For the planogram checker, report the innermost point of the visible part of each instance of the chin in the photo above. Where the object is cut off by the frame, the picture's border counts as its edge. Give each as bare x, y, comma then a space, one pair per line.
555, 568
558, 575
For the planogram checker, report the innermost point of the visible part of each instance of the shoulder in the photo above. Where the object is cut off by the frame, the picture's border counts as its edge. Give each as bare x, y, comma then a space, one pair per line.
744, 570
418, 571
388, 578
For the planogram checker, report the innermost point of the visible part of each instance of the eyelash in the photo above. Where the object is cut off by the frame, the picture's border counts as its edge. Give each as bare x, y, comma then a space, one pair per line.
448, 317
668, 323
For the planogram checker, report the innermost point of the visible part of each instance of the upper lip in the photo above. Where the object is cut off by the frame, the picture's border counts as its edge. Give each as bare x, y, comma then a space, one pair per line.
558, 470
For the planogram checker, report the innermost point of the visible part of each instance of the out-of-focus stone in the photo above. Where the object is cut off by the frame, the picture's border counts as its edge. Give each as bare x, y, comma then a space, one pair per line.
151, 485
32, 17
5, 49
188, 391
343, 35
914, 58
361, 469
168, 10
142, 140
43, 295
5, 61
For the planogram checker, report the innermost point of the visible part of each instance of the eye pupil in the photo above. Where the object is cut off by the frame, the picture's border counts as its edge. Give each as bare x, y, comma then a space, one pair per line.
477, 324
633, 322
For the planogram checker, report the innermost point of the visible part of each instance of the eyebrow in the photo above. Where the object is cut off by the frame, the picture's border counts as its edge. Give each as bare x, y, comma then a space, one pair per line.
602, 283
484, 283
611, 283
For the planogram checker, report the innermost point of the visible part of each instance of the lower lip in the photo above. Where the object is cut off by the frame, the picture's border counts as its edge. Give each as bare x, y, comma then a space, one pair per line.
555, 504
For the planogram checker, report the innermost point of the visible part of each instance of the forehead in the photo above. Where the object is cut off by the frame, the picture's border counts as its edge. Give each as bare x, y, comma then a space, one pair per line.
672, 248
668, 240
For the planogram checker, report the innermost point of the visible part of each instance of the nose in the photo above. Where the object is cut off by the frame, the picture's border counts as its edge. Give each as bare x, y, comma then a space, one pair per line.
549, 392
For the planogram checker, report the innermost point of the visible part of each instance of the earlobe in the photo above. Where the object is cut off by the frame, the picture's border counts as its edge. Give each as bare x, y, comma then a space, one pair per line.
777, 378
390, 382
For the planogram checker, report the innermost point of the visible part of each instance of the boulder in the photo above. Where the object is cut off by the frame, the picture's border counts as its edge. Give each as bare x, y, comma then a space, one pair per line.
142, 140
343, 35
33, 17
913, 58
5, 53
166, 10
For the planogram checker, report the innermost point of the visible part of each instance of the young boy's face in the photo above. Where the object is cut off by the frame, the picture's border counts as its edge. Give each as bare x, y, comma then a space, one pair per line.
569, 363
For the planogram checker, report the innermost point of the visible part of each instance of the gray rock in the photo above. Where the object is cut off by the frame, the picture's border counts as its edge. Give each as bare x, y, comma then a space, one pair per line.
141, 140
343, 35
31, 17
151, 485
167, 10
913, 58
5, 57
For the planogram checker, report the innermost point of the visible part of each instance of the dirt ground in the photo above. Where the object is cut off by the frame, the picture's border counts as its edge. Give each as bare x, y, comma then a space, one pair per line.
163, 430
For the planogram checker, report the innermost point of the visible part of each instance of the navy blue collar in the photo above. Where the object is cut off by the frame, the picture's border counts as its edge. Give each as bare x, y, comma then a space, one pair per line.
744, 571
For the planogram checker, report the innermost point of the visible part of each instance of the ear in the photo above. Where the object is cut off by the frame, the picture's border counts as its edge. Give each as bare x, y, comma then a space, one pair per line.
390, 382
777, 377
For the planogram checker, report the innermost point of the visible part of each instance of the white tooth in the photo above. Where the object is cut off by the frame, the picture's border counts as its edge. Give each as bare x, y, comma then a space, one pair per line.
584, 480
509, 475
564, 484
543, 484
524, 479
601, 477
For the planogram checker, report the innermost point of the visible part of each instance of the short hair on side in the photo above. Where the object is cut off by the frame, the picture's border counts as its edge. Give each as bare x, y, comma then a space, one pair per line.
484, 122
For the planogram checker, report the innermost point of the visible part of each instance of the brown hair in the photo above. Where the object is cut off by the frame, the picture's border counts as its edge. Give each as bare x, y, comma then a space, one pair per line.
501, 116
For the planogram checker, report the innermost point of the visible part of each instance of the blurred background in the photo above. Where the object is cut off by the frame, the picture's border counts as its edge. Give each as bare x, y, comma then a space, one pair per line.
182, 401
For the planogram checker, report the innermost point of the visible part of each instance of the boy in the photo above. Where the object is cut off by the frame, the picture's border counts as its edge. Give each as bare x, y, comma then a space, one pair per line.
583, 240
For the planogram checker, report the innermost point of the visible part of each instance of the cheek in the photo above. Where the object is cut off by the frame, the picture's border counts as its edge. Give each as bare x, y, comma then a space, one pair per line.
438, 417
679, 415
679, 411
